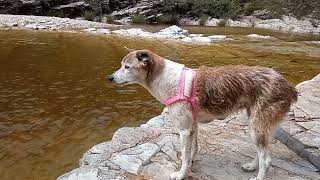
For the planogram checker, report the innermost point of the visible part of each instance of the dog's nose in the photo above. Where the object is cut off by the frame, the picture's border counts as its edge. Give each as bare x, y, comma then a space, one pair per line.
111, 78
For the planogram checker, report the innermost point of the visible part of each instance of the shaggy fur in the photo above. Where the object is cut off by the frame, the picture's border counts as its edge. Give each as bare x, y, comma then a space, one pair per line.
262, 92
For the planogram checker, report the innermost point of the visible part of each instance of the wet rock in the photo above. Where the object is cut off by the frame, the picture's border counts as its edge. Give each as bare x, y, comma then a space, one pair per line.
189, 22
132, 32
217, 37
201, 39
48, 23
213, 22
103, 31
89, 30
173, 31
187, 39
259, 36
235, 23
195, 35
32, 26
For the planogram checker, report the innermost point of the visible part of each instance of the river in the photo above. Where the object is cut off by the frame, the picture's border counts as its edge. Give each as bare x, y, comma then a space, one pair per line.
55, 102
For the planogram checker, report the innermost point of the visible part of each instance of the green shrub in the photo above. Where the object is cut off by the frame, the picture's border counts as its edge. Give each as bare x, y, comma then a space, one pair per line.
176, 7
203, 19
99, 18
89, 15
138, 19
110, 19
216, 8
168, 19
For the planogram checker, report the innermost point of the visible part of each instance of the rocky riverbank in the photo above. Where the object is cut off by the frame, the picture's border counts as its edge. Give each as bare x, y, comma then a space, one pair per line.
152, 150
65, 24
284, 24
47, 23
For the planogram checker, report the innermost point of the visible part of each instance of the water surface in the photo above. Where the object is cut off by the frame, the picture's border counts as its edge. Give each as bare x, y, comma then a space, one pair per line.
55, 102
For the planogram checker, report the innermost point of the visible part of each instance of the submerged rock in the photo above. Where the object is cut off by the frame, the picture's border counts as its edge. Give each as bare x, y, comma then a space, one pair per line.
153, 151
259, 36
217, 37
201, 39
103, 31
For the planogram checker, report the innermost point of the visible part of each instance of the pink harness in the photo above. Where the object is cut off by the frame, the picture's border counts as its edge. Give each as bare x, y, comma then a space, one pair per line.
182, 97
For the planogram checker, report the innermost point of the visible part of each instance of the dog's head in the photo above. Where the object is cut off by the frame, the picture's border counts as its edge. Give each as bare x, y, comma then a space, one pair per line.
135, 67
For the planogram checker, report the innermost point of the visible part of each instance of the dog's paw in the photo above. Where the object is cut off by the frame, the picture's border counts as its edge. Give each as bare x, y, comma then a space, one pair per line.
176, 176
249, 167
253, 179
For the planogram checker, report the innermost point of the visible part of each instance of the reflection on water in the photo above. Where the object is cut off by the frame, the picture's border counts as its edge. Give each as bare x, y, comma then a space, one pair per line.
56, 103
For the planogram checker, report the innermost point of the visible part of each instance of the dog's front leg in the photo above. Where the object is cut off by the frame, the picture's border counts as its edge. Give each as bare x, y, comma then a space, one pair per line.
186, 141
194, 146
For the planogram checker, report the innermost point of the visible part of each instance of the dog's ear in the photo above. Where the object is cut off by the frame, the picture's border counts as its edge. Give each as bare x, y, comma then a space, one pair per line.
143, 57
129, 49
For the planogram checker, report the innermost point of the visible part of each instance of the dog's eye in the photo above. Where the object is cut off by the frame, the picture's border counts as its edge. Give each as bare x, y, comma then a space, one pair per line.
126, 66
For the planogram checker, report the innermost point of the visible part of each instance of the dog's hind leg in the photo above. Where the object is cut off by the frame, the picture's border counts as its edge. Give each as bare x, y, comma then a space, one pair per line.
251, 166
262, 124
194, 146
260, 135
264, 161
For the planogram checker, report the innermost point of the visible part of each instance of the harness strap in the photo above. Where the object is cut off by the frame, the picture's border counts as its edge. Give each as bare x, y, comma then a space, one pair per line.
181, 97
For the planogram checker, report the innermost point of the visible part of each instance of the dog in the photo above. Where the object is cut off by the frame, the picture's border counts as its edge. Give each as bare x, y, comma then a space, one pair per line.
220, 91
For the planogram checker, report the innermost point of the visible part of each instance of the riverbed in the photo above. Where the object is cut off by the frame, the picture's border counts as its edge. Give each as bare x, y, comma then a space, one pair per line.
56, 102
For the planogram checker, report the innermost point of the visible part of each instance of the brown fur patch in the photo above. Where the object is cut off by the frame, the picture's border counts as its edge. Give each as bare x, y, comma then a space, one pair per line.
154, 64
262, 91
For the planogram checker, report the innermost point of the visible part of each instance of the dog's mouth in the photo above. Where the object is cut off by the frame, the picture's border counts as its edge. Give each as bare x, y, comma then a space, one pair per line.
120, 83
123, 83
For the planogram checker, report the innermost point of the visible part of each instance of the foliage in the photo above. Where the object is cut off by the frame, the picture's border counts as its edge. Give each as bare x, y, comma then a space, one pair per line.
99, 18
168, 19
138, 19
285, 7
202, 8
216, 8
233, 8
174, 7
110, 19
89, 15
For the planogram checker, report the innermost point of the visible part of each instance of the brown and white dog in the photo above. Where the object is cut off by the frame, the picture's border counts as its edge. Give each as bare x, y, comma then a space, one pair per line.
220, 91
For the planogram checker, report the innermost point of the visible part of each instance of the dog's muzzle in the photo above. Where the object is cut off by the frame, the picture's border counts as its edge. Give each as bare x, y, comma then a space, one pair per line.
111, 78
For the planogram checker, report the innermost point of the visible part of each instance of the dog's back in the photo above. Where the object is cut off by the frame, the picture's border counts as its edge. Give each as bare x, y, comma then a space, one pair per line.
226, 89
